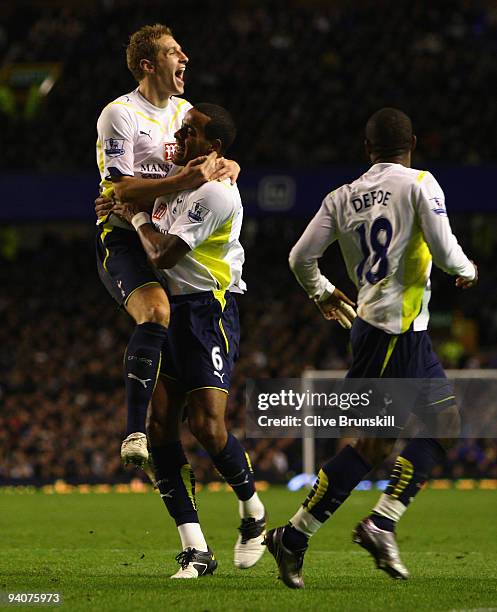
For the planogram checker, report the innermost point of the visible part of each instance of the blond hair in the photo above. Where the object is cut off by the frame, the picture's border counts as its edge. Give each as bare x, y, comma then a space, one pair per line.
143, 45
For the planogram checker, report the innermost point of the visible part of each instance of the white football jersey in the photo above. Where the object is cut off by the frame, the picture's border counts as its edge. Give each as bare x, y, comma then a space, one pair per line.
209, 219
390, 223
136, 138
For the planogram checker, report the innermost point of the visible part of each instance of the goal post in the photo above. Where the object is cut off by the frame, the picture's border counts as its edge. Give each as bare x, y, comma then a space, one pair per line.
309, 376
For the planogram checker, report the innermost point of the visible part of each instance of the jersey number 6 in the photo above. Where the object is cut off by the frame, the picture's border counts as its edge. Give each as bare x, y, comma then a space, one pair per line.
380, 225
217, 360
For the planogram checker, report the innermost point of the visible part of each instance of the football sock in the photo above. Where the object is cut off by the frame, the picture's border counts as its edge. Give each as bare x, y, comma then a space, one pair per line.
294, 539
141, 368
176, 482
336, 480
251, 508
411, 470
234, 466
192, 537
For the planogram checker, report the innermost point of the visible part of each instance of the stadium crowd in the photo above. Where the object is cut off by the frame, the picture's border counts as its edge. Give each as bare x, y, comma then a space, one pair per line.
297, 76
61, 341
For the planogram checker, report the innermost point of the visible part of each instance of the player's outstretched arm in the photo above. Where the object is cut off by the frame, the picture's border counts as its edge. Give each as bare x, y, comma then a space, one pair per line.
163, 250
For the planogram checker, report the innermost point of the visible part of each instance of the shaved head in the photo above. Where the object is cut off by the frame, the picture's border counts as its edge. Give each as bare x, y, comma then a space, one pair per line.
389, 133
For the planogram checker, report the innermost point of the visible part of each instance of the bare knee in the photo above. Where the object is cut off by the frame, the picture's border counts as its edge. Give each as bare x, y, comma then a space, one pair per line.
154, 313
149, 305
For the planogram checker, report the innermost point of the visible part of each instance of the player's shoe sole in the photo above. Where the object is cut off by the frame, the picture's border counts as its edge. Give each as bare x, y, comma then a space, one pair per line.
383, 548
195, 563
134, 449
249, 546
289, 562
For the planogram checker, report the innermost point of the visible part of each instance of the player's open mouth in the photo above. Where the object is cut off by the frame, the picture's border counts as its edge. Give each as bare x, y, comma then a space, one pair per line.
179, 152
179, 74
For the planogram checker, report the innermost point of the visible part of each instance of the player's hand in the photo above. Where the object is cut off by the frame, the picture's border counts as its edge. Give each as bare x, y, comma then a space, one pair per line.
198, 171
464, 283
338, 307
226, 168
103, 205
126, 210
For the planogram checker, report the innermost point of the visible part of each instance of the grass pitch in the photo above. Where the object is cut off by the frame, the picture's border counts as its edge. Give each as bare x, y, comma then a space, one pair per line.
116, 551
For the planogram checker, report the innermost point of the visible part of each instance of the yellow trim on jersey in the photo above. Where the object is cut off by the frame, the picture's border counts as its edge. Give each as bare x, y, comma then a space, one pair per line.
199, 388
140, 287
100, 157
139, 113
417, 259
210, 254
175, 116
188, 478
404, 470
391, 346
421, 175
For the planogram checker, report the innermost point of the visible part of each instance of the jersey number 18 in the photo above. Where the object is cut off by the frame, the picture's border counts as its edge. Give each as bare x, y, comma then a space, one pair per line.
380, 225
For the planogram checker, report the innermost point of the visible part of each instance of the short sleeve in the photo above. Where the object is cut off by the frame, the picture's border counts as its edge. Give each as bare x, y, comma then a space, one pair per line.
116, 134
210, 209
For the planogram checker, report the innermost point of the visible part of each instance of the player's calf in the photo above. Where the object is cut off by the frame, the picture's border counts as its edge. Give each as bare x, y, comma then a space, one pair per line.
206, 410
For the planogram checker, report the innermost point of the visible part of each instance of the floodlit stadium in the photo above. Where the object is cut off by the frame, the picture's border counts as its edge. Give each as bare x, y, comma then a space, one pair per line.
196, 381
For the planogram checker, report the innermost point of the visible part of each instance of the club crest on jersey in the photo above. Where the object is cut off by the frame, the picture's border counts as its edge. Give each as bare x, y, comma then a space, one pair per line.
169, 148
159, 212
198, 213
114, 147
439, 206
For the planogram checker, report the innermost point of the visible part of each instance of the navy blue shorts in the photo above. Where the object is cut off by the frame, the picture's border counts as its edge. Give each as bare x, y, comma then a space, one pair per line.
376, 354
203, 341
122, 264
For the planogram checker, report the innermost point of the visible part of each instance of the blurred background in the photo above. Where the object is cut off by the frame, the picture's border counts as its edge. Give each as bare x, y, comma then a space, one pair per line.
301, 79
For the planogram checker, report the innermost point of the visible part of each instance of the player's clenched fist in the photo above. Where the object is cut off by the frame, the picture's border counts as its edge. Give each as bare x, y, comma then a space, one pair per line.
338, 307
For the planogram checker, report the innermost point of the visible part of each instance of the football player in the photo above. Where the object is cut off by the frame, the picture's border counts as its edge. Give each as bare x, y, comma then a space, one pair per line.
391, 224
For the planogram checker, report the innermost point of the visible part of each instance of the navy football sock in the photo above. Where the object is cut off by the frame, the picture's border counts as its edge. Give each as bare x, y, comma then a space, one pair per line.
336, 480
176, 482
294, 539
411, 470
234, 466
141, 368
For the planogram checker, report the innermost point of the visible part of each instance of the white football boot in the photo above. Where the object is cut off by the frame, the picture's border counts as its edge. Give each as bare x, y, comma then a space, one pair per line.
249, 547
134, 449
